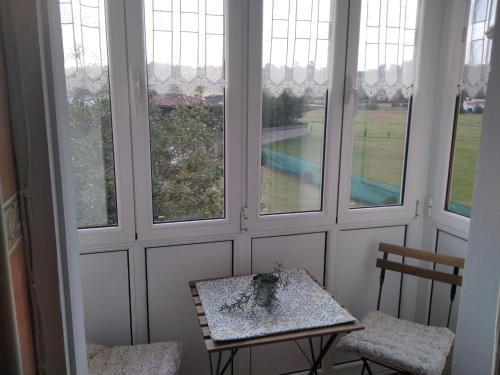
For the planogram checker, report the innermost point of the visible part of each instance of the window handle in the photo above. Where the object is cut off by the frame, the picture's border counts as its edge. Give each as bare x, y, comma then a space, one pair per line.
348, 89
136, 89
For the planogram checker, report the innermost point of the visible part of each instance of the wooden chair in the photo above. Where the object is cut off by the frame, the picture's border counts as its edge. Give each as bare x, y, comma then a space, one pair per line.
398, 344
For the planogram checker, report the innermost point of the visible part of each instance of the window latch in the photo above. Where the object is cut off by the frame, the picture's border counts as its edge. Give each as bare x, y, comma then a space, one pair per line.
244, 219
348, 89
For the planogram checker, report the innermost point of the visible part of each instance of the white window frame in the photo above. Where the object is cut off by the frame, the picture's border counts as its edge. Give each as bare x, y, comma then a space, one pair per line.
450, 78
125, 230
145, 228
128, 81
327, 216
409, 208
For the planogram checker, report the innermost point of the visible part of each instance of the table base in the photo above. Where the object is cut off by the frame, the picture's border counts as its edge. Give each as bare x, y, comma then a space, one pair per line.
314, 362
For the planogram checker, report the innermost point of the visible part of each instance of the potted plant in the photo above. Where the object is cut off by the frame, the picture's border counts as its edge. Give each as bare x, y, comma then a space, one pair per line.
262, 290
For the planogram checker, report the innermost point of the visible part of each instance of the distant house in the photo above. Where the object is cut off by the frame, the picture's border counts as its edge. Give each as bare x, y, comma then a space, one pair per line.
473, 105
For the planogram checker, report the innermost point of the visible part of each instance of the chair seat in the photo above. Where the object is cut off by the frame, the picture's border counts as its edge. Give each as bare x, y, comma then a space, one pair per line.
160, 358
400, 344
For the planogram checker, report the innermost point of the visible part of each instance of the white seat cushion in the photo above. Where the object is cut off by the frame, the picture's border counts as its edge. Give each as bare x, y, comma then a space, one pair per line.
403, 345
160, 358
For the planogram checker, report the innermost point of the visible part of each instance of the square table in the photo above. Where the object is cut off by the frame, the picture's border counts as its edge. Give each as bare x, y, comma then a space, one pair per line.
304, 310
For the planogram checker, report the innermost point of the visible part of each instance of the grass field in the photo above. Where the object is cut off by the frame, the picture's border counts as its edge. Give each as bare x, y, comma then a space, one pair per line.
379, 146
466, 152
282, 192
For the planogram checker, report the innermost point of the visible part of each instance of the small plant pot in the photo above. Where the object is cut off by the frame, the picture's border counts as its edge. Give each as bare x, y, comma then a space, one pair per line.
265, 290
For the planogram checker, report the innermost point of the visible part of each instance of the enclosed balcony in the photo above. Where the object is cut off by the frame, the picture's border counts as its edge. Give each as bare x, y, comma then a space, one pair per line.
346, 150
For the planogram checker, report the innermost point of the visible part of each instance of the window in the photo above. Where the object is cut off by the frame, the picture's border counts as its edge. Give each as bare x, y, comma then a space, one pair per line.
83, 24
385, 77
296, 50
186, 85
469, 108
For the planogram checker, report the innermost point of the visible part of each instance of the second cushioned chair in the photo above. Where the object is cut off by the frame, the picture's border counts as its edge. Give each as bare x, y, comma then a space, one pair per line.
399, 344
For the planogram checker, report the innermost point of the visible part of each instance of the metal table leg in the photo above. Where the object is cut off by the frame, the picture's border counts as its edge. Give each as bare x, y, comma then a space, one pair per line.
322, 353
228, 363
311, 348
367, 366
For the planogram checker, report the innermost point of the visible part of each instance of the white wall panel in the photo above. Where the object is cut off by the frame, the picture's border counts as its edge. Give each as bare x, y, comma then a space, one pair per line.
295, 251
106, 297
357, 276
447, 244
171, 311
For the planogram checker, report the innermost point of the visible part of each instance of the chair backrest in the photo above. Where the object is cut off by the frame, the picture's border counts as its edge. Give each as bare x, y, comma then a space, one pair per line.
453, 278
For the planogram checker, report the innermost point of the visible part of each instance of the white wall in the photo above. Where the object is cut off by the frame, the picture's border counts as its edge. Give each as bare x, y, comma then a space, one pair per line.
476, 330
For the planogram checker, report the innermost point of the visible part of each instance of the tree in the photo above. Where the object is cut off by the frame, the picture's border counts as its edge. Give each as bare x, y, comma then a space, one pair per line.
398, 98
198, 91
187, 157
284, 110
91, 136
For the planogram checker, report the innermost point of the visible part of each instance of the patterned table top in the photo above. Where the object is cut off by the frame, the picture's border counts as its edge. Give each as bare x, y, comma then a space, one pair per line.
303, 304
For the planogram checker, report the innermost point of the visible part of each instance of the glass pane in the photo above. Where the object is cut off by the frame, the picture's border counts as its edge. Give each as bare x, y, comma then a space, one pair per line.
185, 68
470, 108
83, 24
295, 71
385, 77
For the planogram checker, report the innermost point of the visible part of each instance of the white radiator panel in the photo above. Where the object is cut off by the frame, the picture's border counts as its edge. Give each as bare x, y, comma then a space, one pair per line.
171, 313
106, 297
357, 276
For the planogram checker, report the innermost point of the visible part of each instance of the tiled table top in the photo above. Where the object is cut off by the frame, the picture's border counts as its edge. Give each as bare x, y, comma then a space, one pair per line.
302, 305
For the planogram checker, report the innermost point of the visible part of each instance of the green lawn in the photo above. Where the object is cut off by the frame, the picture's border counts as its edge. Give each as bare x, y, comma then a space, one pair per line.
467, 148
283, 192
310, 147
379, 145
